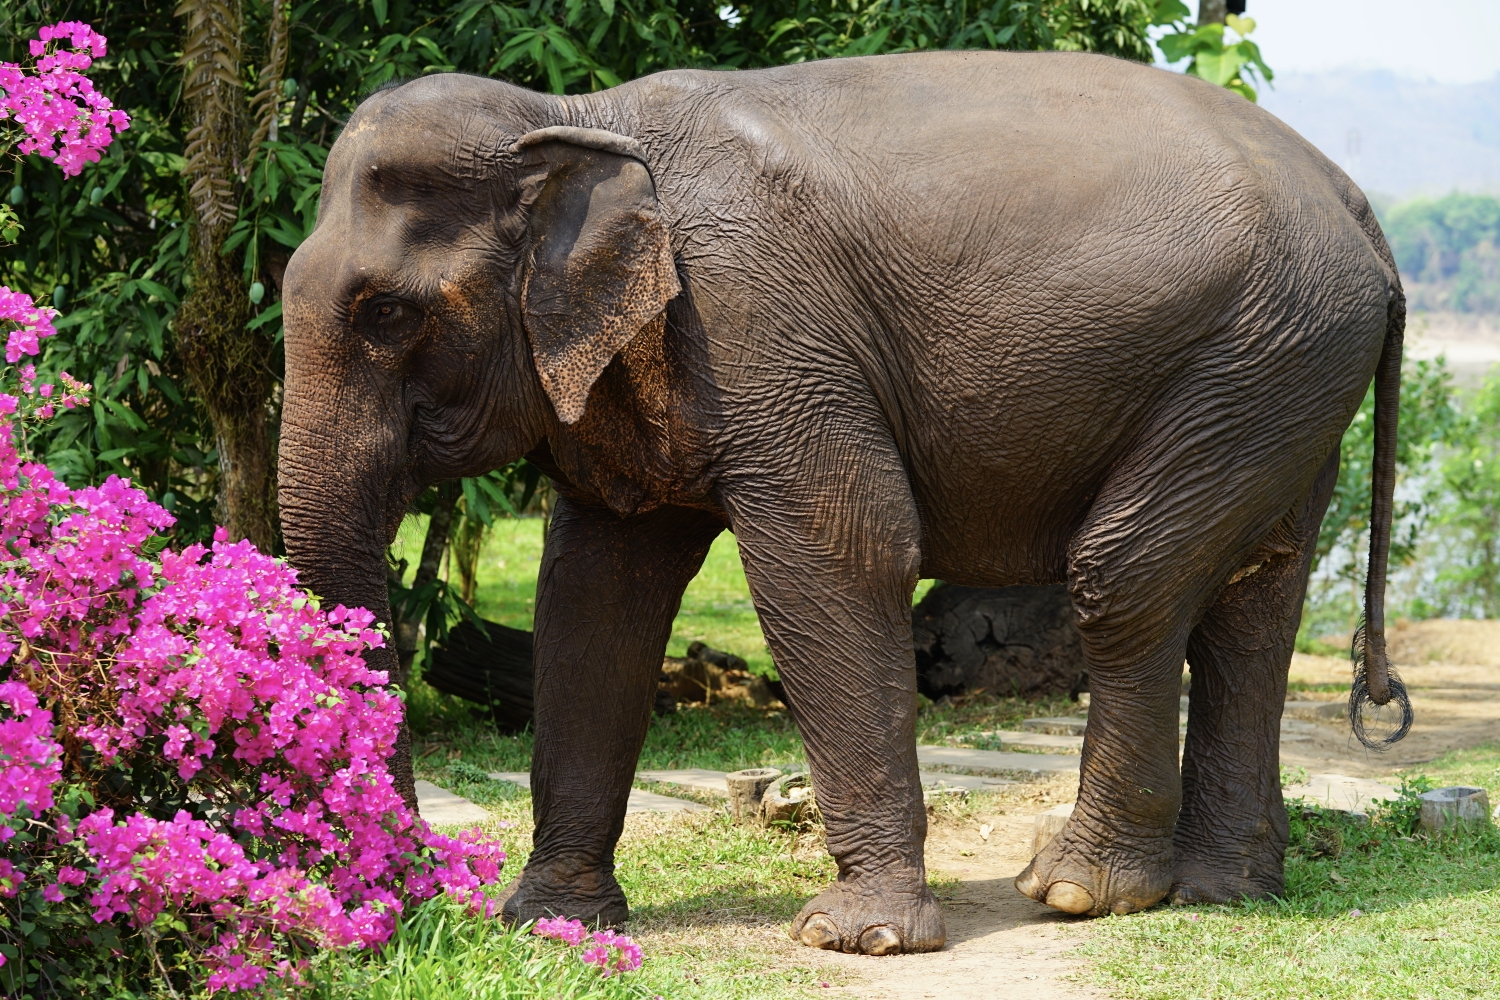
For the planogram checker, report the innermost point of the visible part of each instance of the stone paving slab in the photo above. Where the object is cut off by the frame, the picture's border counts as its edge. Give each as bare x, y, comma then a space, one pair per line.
697, 778
1339, 791
995, 760
639, 802
713, 781
973, 782
1067, 725
440, 807
1046, 742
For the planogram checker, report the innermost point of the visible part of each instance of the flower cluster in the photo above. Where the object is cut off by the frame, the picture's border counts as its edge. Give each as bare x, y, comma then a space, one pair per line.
32, 758
63, 117
611, 952
32, 322
242, 700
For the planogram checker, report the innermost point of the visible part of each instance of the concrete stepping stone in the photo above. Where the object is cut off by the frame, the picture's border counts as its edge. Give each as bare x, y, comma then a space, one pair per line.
980, 761
972, 782
1297, 730
1060, 726
1046, 742
440, 807
639, 801
1340, 791
698, 779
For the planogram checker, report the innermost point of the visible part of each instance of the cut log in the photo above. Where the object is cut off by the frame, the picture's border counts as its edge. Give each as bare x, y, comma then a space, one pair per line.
1048, 825
789, 801
746, 790
1009, 641
491, 668
1461, 805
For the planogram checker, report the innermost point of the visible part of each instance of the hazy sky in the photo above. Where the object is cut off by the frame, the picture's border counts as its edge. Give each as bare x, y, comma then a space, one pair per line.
1453, 41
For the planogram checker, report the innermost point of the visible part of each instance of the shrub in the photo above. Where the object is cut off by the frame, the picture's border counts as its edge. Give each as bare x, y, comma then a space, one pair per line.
193, 784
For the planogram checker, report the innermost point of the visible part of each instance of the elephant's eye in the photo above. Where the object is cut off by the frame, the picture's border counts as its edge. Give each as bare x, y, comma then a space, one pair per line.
389, 320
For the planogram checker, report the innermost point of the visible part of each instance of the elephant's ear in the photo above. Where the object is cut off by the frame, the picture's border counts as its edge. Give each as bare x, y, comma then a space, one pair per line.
601, 265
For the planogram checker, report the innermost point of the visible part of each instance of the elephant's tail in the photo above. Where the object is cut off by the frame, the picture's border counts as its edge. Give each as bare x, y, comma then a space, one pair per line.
1374, 680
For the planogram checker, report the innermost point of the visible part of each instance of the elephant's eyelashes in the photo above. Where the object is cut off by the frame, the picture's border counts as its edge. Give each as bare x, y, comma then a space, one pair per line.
389, 321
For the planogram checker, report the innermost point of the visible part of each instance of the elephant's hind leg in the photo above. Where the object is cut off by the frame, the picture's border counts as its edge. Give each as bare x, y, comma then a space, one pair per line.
1169, 527
1232, 832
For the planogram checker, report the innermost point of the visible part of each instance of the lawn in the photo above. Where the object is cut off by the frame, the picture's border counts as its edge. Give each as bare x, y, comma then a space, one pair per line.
1368, 912
716, 608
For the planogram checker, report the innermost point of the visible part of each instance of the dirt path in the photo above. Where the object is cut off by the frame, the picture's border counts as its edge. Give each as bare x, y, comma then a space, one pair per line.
1002, 944
1457, 705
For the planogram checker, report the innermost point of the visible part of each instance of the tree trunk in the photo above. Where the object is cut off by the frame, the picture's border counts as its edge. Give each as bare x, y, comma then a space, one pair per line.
1212, 11
408, 622
229, 365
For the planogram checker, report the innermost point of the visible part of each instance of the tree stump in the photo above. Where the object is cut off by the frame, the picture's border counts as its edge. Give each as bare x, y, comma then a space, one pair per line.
789, 800
1460, 805
746, 791
1048, 825
1009, 641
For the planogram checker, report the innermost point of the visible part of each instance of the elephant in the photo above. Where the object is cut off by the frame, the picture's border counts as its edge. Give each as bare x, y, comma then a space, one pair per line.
993, 318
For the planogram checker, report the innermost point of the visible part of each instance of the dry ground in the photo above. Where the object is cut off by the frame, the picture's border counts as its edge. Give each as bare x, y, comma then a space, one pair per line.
1004, 945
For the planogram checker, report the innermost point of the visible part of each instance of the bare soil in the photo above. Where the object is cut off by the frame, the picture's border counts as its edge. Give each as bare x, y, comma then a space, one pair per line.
1003, 944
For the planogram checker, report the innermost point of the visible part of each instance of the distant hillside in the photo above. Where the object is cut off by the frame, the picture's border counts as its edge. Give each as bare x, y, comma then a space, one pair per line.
1446, 250
1396, 136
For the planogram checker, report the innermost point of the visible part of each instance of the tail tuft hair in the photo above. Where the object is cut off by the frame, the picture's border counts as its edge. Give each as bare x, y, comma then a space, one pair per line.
1359, 697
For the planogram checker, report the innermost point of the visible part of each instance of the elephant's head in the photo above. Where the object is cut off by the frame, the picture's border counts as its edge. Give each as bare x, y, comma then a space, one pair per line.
474, 269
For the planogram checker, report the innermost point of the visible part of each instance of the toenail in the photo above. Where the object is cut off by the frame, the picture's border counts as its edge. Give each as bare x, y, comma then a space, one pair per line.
1069, 897
1121, 908
882, 940
1027, 884
820, 932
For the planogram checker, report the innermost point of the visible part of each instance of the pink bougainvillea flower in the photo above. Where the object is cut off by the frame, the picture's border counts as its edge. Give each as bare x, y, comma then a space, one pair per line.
62, 117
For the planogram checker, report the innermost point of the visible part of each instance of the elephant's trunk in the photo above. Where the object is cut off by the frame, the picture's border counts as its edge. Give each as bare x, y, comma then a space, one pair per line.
340, 500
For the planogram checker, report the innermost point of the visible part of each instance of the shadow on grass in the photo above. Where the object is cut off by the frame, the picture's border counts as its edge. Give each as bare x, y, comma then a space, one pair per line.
741, 902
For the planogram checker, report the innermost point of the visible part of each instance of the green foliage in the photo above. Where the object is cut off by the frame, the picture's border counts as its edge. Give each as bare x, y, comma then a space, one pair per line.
1403, 814
1469, 575
1226, 60
1428, 419
1447, 249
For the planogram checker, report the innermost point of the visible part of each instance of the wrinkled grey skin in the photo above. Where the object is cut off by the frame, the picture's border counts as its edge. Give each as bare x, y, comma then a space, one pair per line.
992, 318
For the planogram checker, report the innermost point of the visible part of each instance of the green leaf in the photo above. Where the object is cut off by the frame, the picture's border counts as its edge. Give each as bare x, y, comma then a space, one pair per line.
115, 453
1170, 11
273, 311
379, 7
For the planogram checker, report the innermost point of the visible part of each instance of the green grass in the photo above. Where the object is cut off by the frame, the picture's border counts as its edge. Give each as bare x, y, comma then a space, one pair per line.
1373, 912
716, 609
441, 951
696, 883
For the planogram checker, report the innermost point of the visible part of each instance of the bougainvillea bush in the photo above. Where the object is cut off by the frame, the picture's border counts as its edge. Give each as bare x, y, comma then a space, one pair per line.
192, 751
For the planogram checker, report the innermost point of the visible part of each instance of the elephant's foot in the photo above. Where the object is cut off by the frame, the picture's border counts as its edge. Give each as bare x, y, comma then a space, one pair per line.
1227, 875
1076, 876
874, 915
566, 889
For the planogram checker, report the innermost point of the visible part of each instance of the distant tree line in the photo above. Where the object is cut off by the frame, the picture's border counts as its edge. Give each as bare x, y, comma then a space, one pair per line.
1448, 250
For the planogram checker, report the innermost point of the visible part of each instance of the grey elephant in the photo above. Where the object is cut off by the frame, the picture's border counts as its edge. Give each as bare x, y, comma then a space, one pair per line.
996, 318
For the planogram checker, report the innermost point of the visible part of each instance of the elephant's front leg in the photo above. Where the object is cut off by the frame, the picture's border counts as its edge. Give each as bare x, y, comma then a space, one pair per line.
607, 593
832, 578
